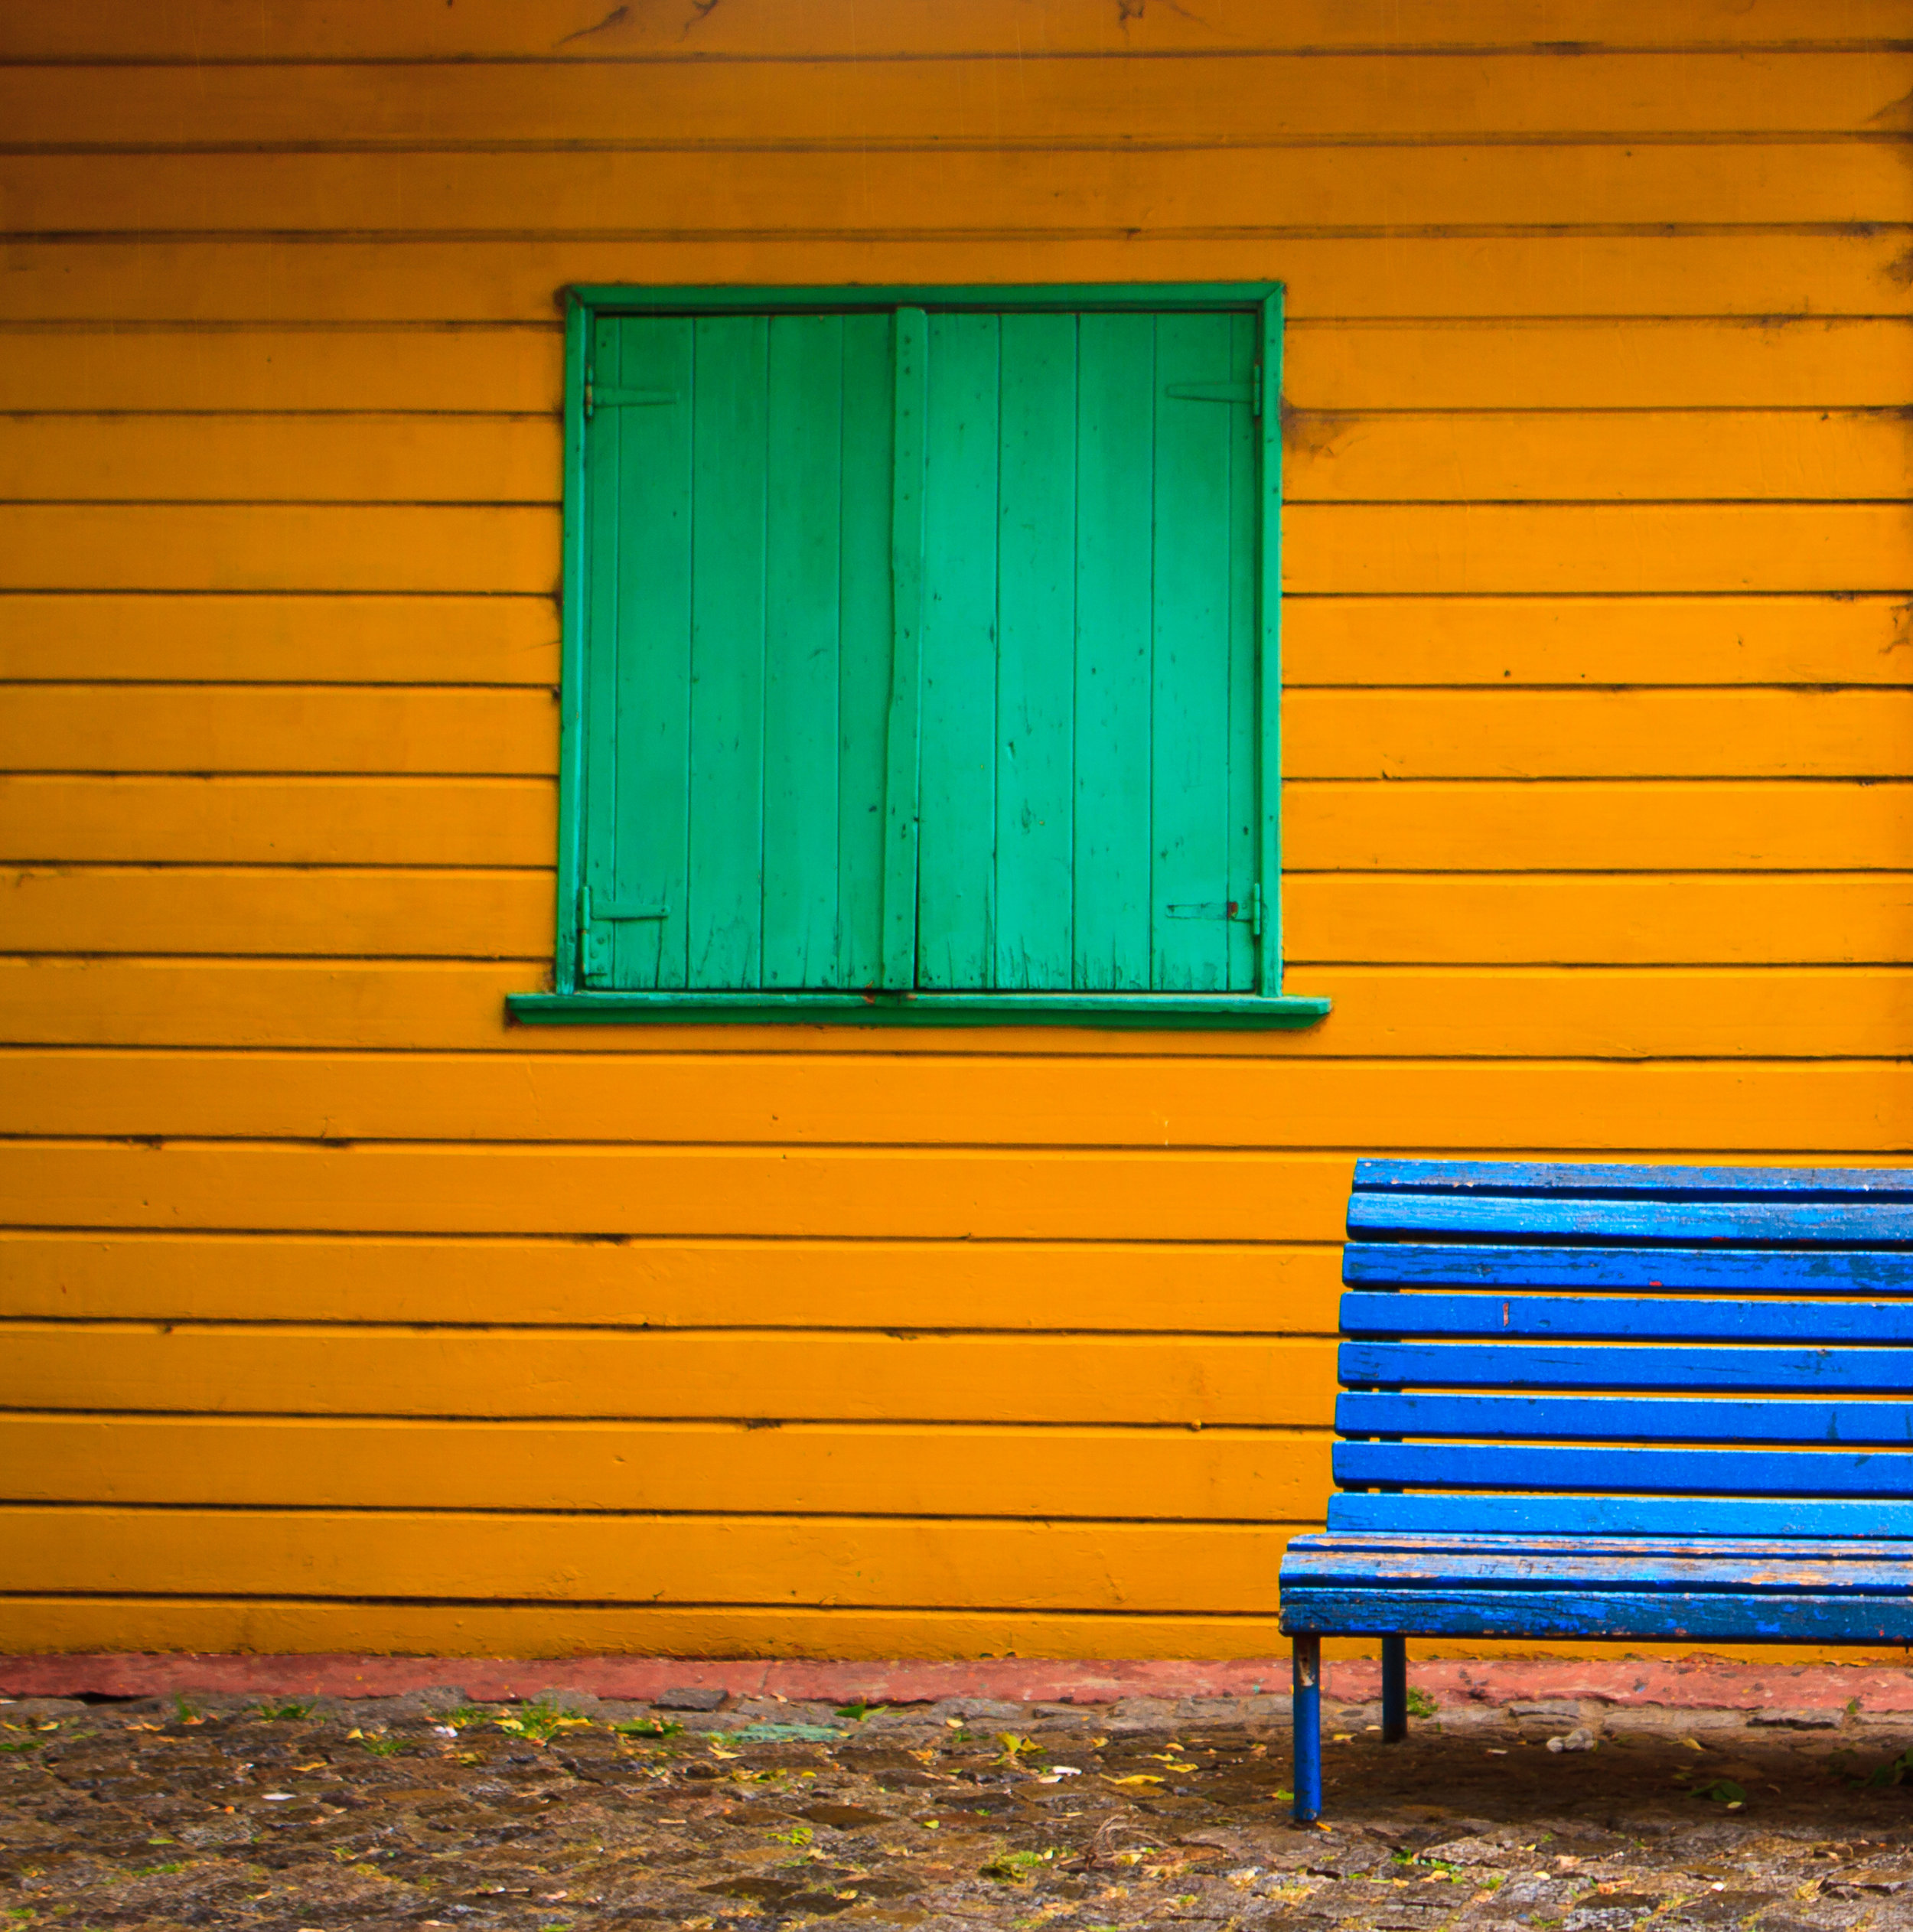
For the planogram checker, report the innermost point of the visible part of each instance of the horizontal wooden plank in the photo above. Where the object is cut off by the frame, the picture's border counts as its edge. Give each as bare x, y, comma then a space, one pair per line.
288, 728
1032, 190
1824, 1207
1635, 1419
1330, 457
1798, 361
1327, 826
792, 1193
354, 821
847, 1560
1431, 1513
311, 640
1340, 825
1412, 919
800, 1099
501, 552
1371, 549
1332, 365
733, 1375
304, 459
1852, 272
1721, 1472
402, 914
1665, 456
1767, 1013
1476, 733
1339, 549
1213, 1287
1535, 1365
206, 31
1757, 1317
1734, 1272
1716, 918
36, 1622
224, 370
1240, 98
1671, 1613
1214, 1474
1326, 640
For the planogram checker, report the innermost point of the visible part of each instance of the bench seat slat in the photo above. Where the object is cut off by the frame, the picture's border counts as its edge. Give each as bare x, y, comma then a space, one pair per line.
1597, 1180
1644, 1615
1659, 1472
1634, 1419
1436, 1512
1723, 1270
1537, 1365
1317, 1563
1807, 1223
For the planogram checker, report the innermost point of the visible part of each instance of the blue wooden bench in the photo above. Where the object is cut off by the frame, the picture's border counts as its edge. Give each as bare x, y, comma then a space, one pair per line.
1584, 1402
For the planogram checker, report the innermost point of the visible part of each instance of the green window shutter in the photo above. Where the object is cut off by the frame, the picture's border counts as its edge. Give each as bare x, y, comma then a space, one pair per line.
921, 654
1090, 735
739, 469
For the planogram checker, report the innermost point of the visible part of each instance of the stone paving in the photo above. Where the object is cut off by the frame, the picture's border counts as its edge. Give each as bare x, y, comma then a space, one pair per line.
753, 1813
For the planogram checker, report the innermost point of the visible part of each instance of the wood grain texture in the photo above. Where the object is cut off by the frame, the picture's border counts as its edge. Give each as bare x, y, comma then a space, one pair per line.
1212, 1287
731, 1374
918, 1100
1595, 370
786, 1193
296, 30
1702, 640
1345, 734
1854, 271
1035, 191
1245, 98
1215, 1474
1411, 919
1592, 1013
280, 459
1331, 824
196, 638
1330, 456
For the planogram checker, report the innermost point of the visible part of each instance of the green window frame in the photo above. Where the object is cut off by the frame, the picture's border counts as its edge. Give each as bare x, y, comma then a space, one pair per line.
821, 756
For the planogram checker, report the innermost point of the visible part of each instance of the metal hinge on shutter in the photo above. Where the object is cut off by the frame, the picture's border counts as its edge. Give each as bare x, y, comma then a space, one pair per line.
597, 397
1250, 915
1250, 391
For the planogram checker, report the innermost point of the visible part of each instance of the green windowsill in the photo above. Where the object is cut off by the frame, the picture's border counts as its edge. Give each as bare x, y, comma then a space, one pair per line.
1232, 1011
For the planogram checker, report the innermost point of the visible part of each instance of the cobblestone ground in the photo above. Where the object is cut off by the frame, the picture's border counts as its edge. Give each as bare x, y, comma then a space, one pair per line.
425, 1811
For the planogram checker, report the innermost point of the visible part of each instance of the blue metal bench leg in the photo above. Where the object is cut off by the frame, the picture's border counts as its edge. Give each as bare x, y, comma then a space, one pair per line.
1394, 1689
1307, 1715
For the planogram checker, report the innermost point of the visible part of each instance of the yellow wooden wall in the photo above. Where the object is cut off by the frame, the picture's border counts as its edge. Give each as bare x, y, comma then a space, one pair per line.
340, 1317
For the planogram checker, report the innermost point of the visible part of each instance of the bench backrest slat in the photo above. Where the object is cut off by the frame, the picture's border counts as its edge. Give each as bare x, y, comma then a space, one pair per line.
1718, 1270
1601, 1419
1565, 1317
1707, 1312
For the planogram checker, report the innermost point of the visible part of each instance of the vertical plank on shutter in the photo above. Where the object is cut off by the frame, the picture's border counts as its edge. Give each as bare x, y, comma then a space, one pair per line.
727, 652
1036, 652
955, 880
603, 645
1245, 484
902, 731
1189, 807
1269, 651
653, 593
863, 698
1115, 430
802, 575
